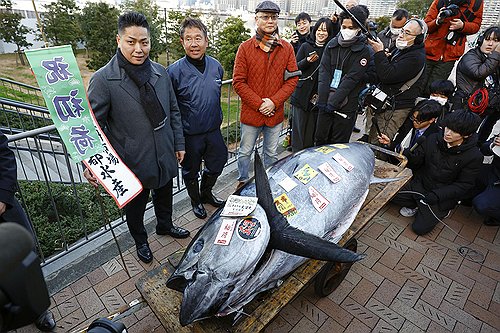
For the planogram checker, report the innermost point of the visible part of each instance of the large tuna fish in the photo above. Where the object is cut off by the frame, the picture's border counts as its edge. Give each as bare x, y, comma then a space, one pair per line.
218, 280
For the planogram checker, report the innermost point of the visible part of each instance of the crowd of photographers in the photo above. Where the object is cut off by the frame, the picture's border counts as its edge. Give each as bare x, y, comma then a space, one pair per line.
400, 79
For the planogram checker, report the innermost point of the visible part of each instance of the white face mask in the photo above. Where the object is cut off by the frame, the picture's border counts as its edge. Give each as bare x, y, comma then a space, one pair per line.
395, 31
348, 34
401, 44
440, 100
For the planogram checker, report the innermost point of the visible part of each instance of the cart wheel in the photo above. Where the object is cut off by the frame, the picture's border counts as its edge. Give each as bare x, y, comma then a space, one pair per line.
332, 274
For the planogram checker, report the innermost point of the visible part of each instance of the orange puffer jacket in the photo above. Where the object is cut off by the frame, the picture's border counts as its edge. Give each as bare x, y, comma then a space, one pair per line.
436, 46
259, 75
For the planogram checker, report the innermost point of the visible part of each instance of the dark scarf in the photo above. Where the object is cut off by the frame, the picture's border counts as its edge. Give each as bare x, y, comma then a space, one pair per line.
198, 63
267, 42
141, 74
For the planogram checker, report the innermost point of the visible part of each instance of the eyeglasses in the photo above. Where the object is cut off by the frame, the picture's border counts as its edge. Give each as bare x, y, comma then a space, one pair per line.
415, 120
406, 33
268, 17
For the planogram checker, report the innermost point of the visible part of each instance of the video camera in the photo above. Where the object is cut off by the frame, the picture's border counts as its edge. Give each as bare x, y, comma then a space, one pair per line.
449, 11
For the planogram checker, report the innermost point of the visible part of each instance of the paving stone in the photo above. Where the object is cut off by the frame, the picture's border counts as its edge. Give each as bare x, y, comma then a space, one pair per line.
164, 252
383, 327
372, 256
478, 277
481, 295
304, 325
386, 292
393, 231
97, 276
80, 285
436, 315
68, 306
379, 246
382, 221
356, 326
390, 258
412, 244
70, 321
434, 293
412, 275
410, 314
495, 275
363, 291
362, 247
434, 233
112, 300
490, 246
291, 314
90, 302
129, 321
469, 231
457, 294
393, 244
461, 328
385, 313
410, 293
353, 277
409, 233
368, 274
436, 328
110, 282
408, 327
431, 245
411, 258
389, 274
360, 312
433, 275
374, 230
456, 276
278, 325
63, 295
453, 260
492, 261
461, 316
486, 234
148, 324
432, 259
129, 285
312, 312
494, 307
111, 267
135, 294
133, 265
339, 294
331, 326
452, 245
496, 294
335, 311
488, 329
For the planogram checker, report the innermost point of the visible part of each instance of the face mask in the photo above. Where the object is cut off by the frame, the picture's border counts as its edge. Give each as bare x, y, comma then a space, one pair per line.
401, 44
395, 31
348, 34
440, 100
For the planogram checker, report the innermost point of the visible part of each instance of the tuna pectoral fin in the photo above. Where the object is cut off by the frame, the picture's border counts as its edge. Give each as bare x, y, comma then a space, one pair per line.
298, 242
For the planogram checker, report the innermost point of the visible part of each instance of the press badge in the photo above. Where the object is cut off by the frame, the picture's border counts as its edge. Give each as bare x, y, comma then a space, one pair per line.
336, 79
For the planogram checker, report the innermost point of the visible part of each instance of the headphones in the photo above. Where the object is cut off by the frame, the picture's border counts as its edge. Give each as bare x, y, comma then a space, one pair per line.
488, 31
419, 39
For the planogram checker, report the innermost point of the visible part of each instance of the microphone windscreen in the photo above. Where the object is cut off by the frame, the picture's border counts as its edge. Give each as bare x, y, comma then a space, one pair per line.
17, 243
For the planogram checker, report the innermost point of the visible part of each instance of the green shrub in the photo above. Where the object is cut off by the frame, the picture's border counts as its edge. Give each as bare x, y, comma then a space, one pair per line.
53, 237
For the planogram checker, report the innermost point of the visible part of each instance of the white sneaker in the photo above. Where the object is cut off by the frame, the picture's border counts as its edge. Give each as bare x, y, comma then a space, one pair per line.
408, 212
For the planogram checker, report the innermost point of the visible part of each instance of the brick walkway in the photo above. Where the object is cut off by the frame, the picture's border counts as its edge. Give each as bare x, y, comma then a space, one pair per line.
406, 283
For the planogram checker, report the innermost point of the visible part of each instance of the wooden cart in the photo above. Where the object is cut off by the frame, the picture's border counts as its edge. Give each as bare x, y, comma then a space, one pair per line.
165, 302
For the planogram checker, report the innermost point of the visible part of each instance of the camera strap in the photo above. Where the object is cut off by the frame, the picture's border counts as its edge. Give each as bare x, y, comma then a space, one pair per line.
408, 84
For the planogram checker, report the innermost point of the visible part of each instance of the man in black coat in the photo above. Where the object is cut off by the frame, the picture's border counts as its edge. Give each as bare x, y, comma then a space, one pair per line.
447, 164
394, 71
487, 202
11, 211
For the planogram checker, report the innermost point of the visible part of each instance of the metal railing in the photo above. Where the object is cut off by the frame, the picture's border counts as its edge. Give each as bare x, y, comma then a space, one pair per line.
21, 92
57, 199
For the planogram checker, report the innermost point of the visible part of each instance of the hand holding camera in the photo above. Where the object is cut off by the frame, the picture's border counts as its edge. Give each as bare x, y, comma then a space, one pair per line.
295, 38
449, 11
313, 56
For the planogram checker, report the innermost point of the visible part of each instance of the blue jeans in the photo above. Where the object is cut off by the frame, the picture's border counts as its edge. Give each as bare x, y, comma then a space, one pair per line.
249, 135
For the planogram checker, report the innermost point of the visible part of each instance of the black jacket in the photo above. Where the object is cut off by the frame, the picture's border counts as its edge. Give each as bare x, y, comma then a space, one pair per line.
353, 62
449, 173
487, 151
302, 40
308, 82
473, 69
399, 68
8, 173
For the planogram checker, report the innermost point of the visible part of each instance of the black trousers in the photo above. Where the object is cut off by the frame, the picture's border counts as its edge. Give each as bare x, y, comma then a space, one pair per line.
209, 147
425, 220
487, 202
17, 215
333, 128
134, 211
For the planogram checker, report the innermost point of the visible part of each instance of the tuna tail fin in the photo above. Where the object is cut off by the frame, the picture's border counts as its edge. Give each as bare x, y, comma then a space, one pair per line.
298, 242
263, 189
377, 180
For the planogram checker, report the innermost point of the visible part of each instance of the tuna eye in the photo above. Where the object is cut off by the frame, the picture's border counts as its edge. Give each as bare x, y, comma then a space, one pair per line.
198, 246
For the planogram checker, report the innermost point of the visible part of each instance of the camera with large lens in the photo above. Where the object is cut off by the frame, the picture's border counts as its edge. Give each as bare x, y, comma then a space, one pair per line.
451, 10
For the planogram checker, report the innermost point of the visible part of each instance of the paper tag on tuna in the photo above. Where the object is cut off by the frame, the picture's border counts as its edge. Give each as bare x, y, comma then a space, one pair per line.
239, 206
305, 174
328, 171
288, 184
325, 149
249, 228
225, 232
340, 146
342, 161
285, 206
319, 201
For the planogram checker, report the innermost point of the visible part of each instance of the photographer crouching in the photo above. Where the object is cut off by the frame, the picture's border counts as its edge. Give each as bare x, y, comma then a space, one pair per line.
400, 76
449, 22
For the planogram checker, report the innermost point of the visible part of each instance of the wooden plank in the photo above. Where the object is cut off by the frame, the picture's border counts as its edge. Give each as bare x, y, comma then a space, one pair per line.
165, 302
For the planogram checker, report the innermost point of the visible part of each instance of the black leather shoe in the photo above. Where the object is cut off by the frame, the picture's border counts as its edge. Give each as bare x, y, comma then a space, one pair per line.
211, 199
144, 253
199, 211
176, 232
46, 322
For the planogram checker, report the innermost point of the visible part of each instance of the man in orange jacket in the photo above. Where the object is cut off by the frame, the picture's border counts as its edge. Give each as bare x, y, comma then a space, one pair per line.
258, 79
449, 22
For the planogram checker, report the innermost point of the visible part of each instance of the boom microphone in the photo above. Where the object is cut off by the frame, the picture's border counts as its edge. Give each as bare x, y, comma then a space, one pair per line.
419, 141
362, 26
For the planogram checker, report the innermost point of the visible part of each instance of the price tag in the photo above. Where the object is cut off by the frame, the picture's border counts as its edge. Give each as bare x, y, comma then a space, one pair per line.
288, 184
305, 174
319, 202
343, 162
225, 232
239, 206
328, 171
